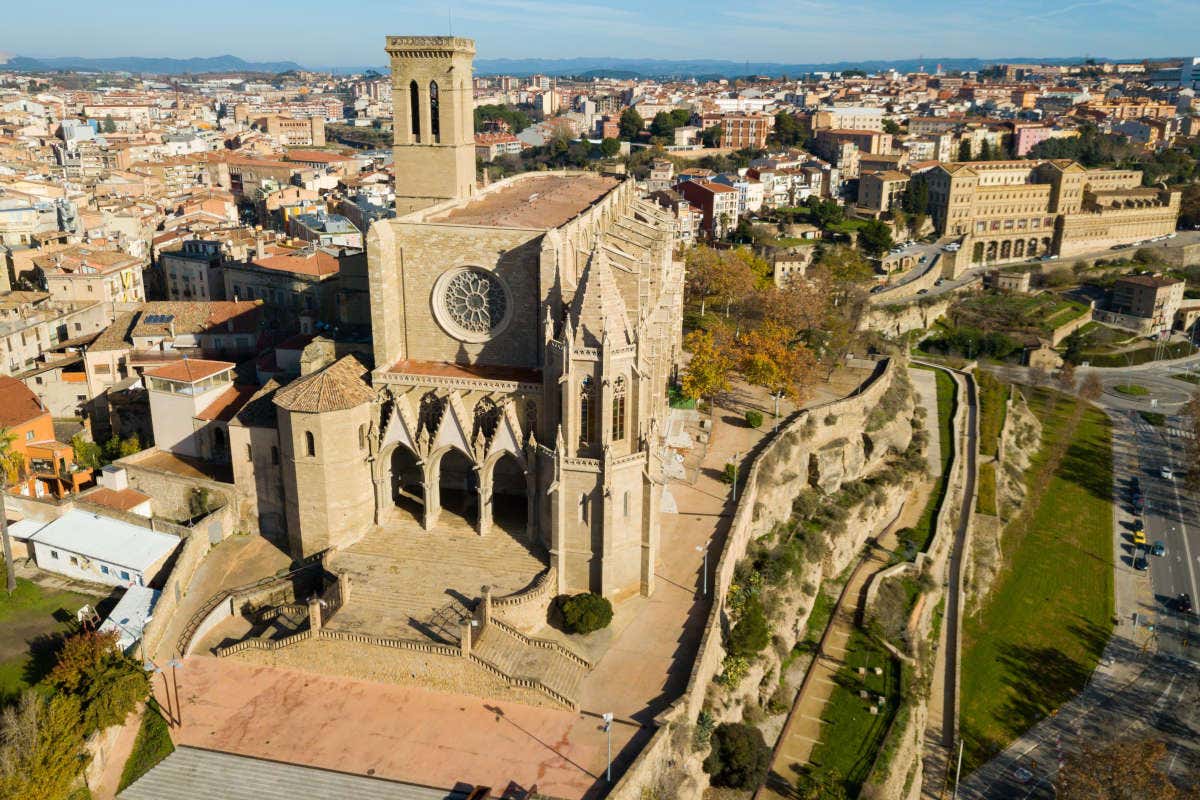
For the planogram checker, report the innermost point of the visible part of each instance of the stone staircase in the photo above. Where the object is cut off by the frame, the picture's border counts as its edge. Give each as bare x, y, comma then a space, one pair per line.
537, 663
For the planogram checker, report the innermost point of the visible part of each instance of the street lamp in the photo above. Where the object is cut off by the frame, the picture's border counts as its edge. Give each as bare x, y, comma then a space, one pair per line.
175, 664
704, 570
737, 456
608, 718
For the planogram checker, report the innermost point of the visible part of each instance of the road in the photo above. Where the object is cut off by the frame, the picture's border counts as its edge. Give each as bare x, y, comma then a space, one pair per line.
1168, 510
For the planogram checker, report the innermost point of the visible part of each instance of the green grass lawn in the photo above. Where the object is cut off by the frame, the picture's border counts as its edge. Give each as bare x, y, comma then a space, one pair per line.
985, 502
1141, 355
993, 406
1133, 389
947, 397
1186, 376
1154, 418
1042, 628
31, 615
152, 745
850, 733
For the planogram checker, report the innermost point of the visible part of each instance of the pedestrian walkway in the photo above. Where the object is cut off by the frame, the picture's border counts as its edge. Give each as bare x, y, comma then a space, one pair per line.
803, 728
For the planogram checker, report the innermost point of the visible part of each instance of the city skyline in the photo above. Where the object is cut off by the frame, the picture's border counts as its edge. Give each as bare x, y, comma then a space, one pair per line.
807, 31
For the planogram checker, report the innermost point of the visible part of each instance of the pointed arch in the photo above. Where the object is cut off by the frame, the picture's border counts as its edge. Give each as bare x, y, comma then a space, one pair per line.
434, 112
618, 409
414, 110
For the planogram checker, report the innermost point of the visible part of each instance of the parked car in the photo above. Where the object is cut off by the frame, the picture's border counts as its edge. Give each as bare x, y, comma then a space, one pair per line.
1183, 603
1139, 535
1141, 564
1167, 473
922, 291
1158, 549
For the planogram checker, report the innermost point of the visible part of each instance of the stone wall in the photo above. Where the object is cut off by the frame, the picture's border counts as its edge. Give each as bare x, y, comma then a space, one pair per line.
172, 491
195, 546
774, 480
925, 280
897, 320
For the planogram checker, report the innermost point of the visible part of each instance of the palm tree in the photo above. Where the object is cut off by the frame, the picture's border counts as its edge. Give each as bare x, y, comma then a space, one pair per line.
11, 464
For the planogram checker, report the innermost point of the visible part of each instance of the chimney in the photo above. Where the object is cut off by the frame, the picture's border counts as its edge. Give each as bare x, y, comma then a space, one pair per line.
259, 250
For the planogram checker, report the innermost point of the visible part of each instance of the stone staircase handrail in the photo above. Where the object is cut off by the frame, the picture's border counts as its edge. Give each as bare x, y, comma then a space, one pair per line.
547, 644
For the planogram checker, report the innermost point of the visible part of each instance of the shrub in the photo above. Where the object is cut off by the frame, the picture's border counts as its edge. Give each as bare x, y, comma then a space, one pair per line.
729, 473
739, 757
750, 635
831, 419
754, 419
587, 612
106, 682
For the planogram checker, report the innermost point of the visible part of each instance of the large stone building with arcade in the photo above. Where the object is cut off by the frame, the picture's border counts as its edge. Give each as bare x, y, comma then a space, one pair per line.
1013, 210
523, 337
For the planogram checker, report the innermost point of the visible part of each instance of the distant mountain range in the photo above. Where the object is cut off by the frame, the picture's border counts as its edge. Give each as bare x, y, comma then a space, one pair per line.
587, 67
158, 66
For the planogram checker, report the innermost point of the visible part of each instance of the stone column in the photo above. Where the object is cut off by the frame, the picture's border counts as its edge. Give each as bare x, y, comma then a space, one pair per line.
466, 638
531, 508
314, 613
433, 499
486, 605
381, 497
485, 502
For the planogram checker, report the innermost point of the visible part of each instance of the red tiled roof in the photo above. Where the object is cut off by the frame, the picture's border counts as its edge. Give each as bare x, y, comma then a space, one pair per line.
120, 499
18, 405
190, 370
228, 404
318, 263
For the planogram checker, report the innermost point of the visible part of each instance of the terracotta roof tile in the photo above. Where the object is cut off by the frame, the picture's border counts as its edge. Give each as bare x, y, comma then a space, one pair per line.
18, 405
339, 386
190, 369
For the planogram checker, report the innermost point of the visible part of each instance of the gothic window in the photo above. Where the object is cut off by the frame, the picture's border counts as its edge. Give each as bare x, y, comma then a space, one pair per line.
618, 409
430, 416
627, 504
471, 304
583, 507
530, 417
585, 411
414, 109
487, 418
434, 115
362, 437
310, 444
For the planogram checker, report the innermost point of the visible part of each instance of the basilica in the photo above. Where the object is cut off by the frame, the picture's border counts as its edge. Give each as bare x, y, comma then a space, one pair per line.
523, 337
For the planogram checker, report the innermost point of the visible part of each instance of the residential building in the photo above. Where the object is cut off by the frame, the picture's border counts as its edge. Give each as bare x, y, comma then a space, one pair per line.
740, 130
881, 191
89, 273
48, 466
716, 202
97, 549
1153, 297
325, 230
490, 146
193, 272
191, 403
325, 283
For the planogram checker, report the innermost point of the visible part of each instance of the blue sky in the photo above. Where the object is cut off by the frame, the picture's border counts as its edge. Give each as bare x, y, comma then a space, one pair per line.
350, 32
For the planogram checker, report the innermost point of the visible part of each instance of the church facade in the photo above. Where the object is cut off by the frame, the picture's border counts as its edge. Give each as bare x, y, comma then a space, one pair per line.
523, 338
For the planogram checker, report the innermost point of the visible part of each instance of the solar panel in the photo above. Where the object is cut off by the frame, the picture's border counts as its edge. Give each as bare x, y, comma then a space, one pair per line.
159, 319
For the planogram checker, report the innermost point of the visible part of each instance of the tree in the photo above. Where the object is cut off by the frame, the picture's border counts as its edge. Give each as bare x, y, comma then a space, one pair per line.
663, 125
964, 150
916, 196
1066, 378
875, 237
702, 266
1091, 388
712, 361
890, 126
609, 146
516, 120
631, 124
680, 117
770, 358
788, 130
109, 125
12, 463
41, 747
587, 612
107, 684
1105, 769
711, 136
739, 758
751, 633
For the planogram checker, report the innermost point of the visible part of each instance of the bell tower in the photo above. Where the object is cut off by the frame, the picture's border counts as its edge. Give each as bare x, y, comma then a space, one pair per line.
433, 119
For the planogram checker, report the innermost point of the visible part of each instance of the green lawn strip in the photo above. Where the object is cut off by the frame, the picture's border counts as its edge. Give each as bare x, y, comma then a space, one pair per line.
985, 503
152, 745
1154, 418
947, 402
818, 618
1186, 376
1047, 618
993, 406
1142, 355
850, 734
1132, 389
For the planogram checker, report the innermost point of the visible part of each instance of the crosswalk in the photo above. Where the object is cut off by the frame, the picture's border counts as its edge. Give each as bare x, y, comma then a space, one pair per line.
1180, 433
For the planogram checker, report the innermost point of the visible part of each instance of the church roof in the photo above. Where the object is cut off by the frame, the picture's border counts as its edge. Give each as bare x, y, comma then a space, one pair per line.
336, 388
598, 305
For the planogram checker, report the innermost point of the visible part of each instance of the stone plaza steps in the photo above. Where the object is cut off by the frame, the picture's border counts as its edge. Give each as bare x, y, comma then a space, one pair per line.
518, 659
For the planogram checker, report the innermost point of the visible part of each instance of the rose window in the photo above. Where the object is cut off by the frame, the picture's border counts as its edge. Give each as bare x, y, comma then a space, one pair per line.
472, 304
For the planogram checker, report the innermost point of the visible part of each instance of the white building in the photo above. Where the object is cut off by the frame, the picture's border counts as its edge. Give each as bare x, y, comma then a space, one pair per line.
89, 547
130, 615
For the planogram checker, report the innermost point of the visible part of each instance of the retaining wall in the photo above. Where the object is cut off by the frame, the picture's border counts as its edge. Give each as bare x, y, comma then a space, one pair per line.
766, 499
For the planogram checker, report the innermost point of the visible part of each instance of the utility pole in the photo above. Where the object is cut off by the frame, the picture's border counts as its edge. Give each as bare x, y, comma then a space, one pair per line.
608, 719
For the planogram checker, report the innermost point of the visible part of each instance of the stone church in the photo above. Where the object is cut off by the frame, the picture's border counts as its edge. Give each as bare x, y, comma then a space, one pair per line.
524, 334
